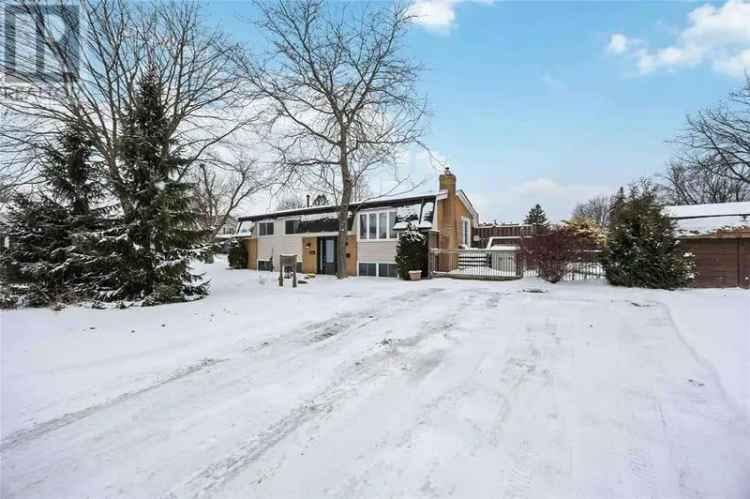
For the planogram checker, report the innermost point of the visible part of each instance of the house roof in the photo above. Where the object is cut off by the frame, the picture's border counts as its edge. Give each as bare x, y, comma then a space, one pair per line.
711, 220
708, 210
465, 199
313, 210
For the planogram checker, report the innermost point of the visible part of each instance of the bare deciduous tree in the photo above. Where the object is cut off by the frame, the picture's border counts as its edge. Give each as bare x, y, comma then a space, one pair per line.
717, 140
220, 188
342, 93
694, 180
595, 210
291, 202
197, 68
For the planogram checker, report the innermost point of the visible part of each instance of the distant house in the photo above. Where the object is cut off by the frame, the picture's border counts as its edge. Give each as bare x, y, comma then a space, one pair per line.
495, 234
229, 227
447, 217
719, 237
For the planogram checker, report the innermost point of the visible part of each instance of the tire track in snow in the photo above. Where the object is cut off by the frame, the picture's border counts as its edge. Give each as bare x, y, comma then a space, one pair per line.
520, 477
345, 386
214, 476
416, 364
342, 323
320, 331
27, 435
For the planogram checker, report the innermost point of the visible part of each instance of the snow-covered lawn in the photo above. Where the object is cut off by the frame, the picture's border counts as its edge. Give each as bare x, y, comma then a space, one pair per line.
381, 388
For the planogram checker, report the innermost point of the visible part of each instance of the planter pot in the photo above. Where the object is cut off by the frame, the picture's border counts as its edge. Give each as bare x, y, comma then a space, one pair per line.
415, 275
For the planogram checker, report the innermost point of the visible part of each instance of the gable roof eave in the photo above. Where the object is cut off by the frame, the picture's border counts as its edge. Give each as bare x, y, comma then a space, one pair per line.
316, 210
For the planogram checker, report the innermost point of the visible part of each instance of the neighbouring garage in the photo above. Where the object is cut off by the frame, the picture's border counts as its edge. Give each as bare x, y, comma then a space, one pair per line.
721, 262
718, 235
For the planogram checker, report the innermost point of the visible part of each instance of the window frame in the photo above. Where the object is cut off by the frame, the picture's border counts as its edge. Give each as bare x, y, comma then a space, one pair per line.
296, 222
377, 266
364, 232
266, 223
361, 264
466, 231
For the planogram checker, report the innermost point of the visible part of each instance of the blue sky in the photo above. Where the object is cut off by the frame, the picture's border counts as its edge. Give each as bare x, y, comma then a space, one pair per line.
554, 102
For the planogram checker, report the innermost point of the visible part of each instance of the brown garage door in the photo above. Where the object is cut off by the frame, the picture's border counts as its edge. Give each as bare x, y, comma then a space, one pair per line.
744, 245
716, 262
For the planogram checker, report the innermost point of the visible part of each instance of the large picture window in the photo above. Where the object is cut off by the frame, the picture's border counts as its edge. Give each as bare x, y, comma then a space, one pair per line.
377, 226
372, 228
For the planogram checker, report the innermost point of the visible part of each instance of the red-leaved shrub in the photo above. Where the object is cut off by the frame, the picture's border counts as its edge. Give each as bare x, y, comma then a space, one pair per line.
553, 250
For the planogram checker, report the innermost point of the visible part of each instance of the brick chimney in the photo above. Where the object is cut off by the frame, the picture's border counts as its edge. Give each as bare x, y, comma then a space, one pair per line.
448, 182
447, 211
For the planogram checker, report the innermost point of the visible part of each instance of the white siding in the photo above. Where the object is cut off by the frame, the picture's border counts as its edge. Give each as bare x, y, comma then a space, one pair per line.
376, 251
279, 244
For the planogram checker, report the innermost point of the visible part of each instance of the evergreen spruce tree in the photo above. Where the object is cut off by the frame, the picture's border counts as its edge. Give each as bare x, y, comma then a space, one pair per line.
618, 201
72, 181
33, 270
162, 233
50, 258
642, 250
537, 218
237, 254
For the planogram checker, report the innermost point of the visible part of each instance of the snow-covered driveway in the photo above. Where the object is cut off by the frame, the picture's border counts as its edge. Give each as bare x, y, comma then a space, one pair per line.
380, 388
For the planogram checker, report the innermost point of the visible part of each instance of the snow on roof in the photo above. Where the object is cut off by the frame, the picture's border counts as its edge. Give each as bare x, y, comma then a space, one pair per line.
704, 219
708, 210
234, 235
711, 225
505, 247
379, 201
419, 214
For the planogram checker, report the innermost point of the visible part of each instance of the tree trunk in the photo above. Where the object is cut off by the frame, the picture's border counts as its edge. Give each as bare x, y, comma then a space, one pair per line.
346, 197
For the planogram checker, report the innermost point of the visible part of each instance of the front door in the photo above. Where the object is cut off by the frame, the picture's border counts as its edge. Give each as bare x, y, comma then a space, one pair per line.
327, 255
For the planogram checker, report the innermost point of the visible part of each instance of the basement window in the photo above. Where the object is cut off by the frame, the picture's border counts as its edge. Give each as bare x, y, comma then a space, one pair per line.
387, 270
367, 269
266, 265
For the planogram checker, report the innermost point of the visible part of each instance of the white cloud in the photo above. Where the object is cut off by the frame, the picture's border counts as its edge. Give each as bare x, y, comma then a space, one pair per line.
719, 36
618, 43
734, 66
438, 15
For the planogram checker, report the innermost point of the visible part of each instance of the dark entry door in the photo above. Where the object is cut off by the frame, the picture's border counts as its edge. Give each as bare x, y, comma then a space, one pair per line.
327, 255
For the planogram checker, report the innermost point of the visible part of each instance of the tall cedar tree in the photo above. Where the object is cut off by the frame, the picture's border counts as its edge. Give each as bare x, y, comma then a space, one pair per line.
411, 252
537, 218
50, 258
162, 230
642, 250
